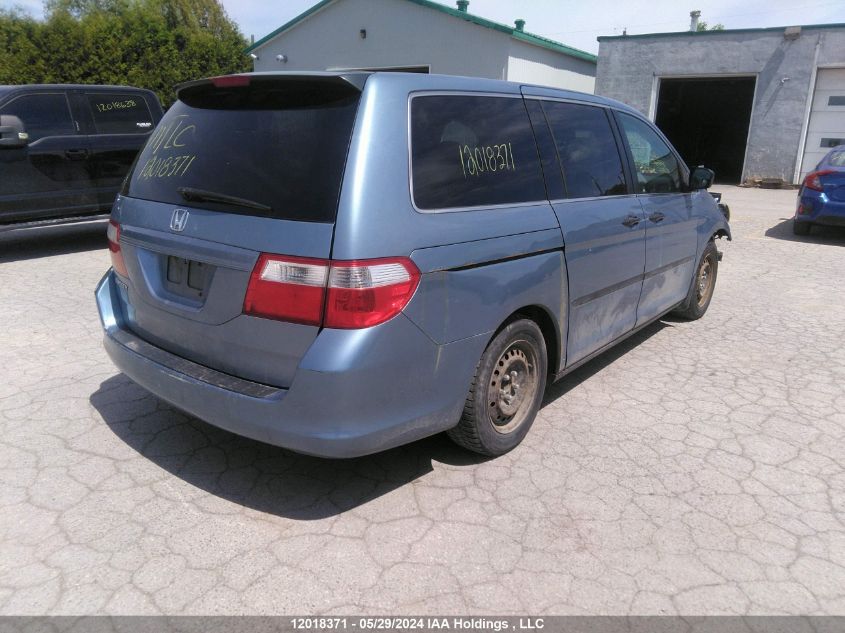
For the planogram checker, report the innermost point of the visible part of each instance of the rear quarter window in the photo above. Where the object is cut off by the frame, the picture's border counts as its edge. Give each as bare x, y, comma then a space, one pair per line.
837, 159
120, 113
469, 151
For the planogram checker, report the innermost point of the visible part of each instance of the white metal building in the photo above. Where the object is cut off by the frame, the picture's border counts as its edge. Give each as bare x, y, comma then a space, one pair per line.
420, 36
826, 120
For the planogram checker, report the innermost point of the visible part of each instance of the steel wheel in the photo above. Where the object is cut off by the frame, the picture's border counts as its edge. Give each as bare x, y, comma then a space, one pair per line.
705, 280
702, 285
506, 391
513, 386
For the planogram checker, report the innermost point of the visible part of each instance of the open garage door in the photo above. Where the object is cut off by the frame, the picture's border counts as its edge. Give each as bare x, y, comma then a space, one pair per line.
826, 127
707, 119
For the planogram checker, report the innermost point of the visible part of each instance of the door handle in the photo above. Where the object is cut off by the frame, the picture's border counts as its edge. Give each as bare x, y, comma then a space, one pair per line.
631, 220
76, 154
657, 217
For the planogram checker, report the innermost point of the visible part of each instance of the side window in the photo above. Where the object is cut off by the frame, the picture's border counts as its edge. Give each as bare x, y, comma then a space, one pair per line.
657, 169
548, 152
120, 113
471, 151
42, 115
588, 153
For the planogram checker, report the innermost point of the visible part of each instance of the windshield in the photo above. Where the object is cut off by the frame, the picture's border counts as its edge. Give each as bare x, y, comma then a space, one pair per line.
281, 145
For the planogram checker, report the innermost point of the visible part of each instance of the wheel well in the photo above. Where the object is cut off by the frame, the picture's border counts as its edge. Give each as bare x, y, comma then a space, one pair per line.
546, 323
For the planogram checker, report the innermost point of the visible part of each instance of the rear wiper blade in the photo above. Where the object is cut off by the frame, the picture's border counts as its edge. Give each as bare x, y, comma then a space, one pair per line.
201, 195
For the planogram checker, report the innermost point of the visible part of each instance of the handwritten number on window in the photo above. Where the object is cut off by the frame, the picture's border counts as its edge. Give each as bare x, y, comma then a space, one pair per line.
116, 105
487, 158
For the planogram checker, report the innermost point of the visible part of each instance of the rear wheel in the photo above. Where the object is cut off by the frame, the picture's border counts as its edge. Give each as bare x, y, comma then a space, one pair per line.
506, 391
703, 284
801, 228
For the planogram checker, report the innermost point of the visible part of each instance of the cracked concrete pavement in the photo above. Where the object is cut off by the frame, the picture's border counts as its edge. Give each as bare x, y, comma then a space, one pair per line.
697, 468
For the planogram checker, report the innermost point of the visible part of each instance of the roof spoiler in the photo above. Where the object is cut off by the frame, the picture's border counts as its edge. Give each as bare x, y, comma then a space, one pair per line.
355, 80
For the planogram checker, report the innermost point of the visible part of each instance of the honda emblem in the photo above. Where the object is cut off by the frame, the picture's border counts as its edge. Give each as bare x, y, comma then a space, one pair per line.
179, 220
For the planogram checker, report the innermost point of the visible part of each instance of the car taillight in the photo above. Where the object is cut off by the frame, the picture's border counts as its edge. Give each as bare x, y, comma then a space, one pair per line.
113, 235
369, 292
813, 179
334, 294
230, 81
288, 289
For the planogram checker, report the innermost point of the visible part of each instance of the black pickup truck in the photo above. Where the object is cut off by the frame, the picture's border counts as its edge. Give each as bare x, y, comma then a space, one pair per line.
65, 149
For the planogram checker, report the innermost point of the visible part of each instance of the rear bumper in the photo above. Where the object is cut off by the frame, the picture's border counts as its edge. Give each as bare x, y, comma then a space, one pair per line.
819, 209
355, 392
830, 220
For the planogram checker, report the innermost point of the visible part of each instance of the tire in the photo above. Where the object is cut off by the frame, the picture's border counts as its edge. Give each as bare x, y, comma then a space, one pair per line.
703, 284
506, 391
801, 228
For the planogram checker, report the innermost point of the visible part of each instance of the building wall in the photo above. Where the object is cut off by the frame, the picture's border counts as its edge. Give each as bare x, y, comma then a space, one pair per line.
534, 65
405, 34
628, 68
832, 50
398, 34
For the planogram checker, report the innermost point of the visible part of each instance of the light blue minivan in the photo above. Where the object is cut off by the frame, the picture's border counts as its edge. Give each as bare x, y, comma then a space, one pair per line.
340, 263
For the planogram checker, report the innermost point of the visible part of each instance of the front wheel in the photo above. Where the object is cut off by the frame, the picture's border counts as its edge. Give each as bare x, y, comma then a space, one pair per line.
506, 391
703, 284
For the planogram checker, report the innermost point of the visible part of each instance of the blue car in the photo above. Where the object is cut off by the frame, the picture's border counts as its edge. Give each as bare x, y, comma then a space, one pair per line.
341, 263
821, 199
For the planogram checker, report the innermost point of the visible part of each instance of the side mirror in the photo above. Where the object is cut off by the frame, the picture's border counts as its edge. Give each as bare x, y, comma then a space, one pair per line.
12, 133
701, 178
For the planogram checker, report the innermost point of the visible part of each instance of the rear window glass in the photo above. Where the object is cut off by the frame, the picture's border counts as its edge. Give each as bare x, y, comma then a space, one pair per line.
837, 159
120, 113
469, 151
274, 149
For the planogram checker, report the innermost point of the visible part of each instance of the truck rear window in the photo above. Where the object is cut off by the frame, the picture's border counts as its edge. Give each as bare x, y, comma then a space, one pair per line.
120, 113
277, 147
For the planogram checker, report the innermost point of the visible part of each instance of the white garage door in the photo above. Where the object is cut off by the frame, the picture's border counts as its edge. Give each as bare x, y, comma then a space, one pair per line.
827, 117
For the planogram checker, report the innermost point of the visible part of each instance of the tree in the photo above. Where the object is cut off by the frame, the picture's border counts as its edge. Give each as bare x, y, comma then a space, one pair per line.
20, 57
152, 44
80, 8
702, 26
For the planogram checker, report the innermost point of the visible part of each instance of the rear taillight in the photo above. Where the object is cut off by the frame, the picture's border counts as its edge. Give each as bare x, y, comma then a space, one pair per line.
113, 235
813, 179
230, 81
334, 294
288, 289
369, 292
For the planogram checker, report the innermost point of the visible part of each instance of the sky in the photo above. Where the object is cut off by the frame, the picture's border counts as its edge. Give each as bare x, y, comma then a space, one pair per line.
575, 22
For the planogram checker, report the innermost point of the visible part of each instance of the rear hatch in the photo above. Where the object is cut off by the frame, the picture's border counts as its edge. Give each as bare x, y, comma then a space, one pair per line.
238, 166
